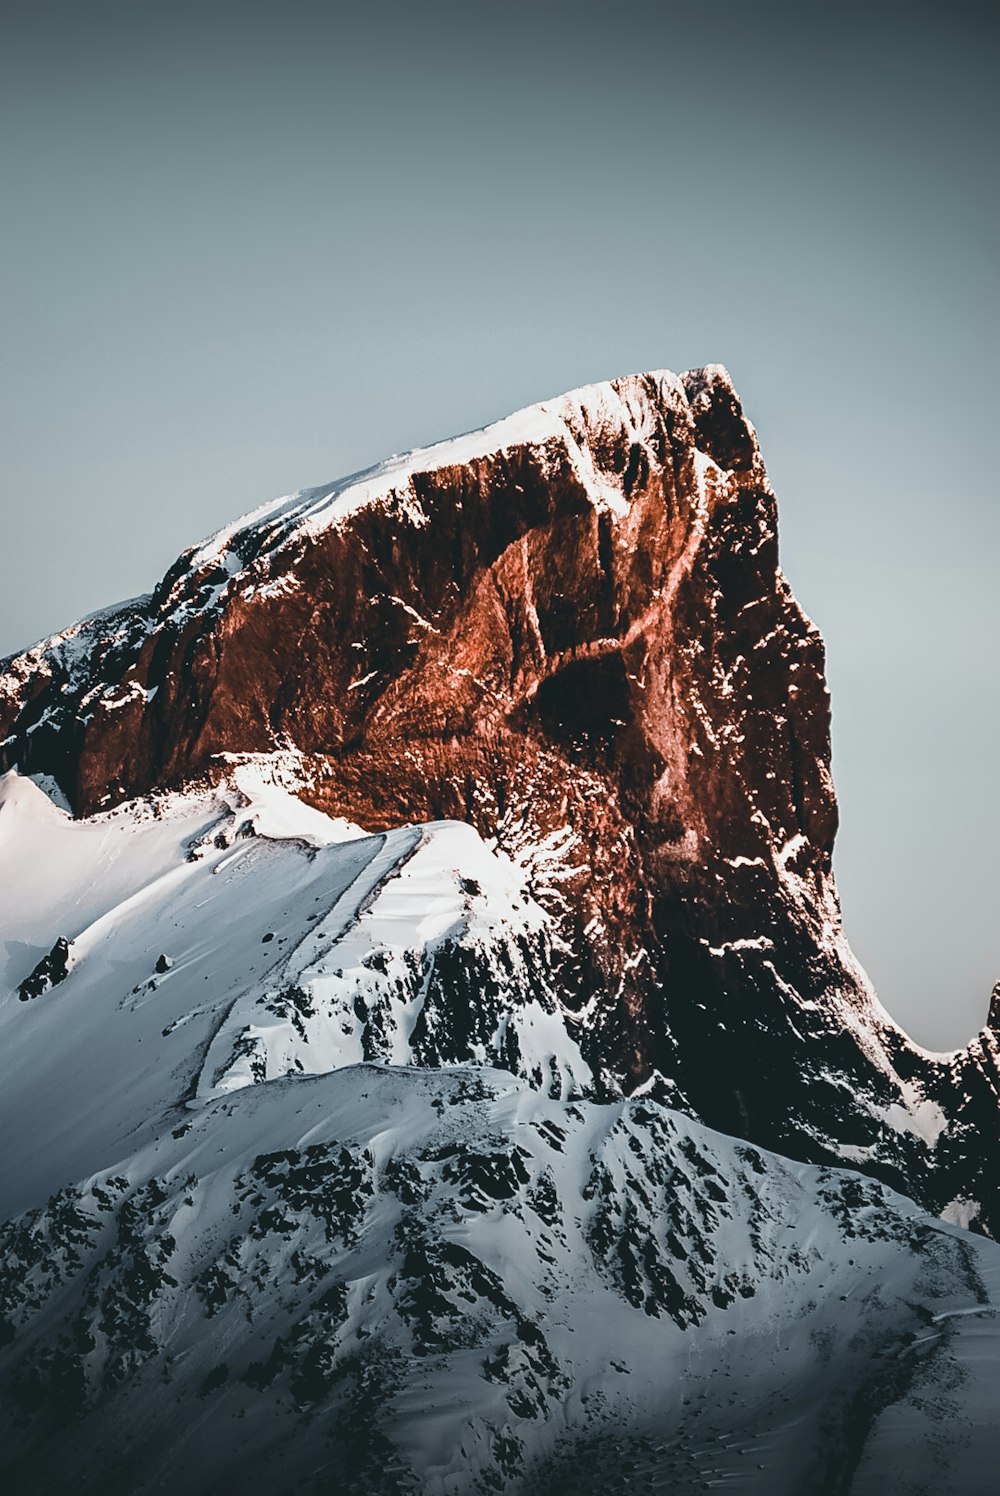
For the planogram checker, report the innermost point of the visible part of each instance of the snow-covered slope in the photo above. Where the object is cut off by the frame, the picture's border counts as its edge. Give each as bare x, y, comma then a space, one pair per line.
233, 935
391, 1280
239, 1251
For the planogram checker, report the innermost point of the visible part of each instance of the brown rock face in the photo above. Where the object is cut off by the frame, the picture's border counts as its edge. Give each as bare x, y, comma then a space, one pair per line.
558, 649
571, 631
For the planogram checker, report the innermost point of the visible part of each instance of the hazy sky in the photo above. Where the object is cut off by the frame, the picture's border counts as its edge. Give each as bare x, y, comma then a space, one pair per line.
251, 247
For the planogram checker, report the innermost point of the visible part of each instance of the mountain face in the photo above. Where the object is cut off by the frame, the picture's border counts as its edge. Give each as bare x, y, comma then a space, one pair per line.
569, 631
410, 902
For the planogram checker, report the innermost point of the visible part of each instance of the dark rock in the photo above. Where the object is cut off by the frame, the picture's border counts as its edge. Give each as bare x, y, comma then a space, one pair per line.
50, 971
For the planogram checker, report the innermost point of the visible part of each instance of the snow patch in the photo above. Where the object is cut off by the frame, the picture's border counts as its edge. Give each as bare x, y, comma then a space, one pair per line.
961, 1212
920, 1117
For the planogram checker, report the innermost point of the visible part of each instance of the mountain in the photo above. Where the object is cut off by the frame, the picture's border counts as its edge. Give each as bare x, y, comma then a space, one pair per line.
392, 1280
571, 632
432, 1057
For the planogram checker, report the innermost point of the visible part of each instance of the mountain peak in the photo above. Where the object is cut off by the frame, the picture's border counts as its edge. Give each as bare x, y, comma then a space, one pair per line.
443, 836
581, 418
569, 630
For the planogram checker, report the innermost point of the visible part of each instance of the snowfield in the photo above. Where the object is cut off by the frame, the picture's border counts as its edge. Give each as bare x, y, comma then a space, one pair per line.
229, 936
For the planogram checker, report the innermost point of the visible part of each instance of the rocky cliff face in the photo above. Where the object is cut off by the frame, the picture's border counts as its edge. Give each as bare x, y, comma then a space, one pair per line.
571, 631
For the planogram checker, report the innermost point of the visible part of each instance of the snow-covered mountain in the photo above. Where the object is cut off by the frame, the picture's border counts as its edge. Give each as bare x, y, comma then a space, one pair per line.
390, 1280
420, 942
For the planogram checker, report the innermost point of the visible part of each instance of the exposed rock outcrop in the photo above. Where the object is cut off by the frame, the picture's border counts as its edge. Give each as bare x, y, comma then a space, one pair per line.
50, 971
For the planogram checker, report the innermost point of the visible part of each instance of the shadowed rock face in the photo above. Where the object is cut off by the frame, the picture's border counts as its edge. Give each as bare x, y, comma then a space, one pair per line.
572, 632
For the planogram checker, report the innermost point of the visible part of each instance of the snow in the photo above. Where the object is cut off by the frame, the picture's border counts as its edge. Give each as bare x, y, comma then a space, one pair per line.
51, 791
792, 847
961, 1212
411, 891
303, 903
557, 422
475, 1310
574, 1218
418, 618
917, 1115
746, 943
266, 785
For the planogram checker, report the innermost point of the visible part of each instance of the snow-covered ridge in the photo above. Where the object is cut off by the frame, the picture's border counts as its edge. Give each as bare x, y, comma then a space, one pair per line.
227, 937
365, 982
570, 421
606, 406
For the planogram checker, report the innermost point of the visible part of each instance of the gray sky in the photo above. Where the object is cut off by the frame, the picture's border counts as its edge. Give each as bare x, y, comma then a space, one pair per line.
248, 248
